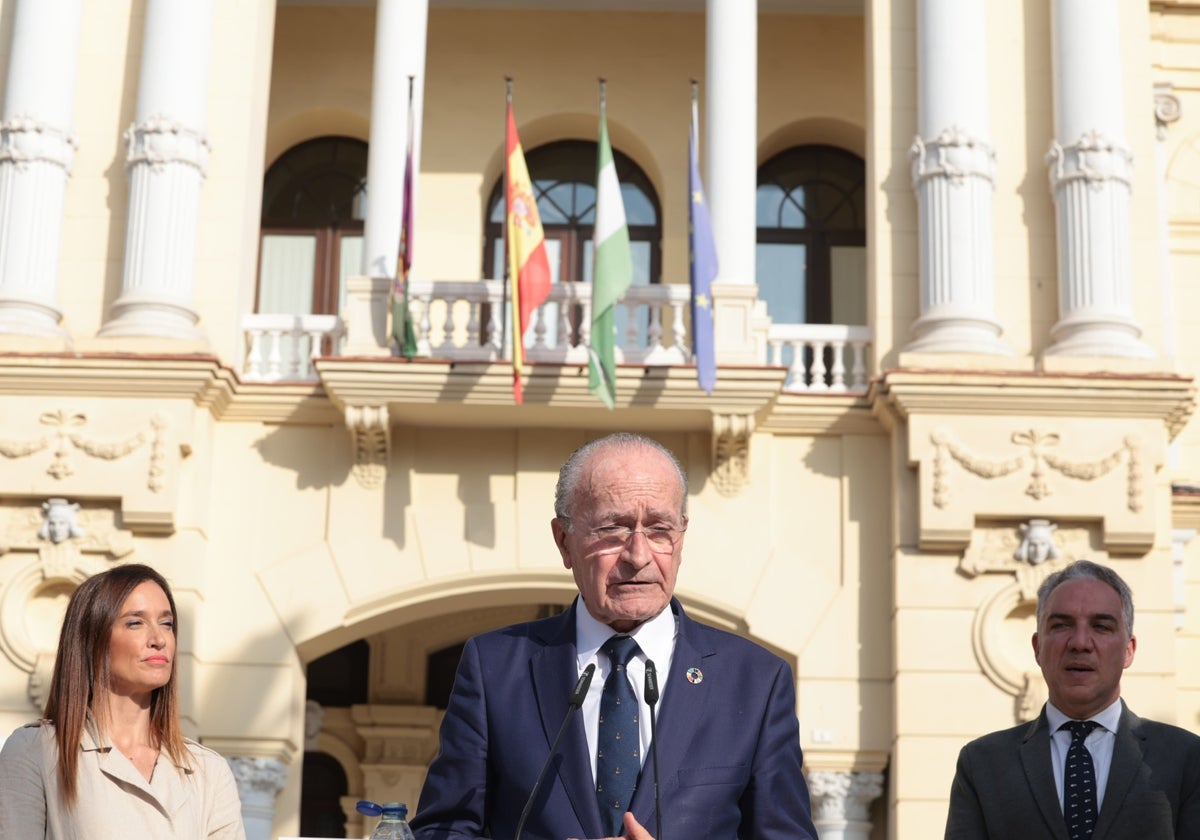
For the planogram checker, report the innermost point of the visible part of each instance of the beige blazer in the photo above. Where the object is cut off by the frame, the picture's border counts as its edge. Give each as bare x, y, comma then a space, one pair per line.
115, 801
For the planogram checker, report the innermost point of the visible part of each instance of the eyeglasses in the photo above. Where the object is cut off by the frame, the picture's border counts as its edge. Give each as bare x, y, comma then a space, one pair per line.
611, 538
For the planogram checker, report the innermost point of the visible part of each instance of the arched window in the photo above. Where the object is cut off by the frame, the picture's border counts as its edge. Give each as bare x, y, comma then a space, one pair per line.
811, 253
314, 202
564, 182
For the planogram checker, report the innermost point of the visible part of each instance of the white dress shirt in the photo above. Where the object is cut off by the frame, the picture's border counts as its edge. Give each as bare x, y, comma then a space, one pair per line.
1099, 743
656, 638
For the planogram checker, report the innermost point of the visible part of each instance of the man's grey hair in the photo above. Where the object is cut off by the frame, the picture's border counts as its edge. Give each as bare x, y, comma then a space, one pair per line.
1087, 570
572, 470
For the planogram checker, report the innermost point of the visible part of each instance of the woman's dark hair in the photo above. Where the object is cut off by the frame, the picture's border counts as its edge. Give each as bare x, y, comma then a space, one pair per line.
81, 680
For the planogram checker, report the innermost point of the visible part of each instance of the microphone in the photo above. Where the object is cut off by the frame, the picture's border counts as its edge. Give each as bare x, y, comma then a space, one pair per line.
651, 694
574, 702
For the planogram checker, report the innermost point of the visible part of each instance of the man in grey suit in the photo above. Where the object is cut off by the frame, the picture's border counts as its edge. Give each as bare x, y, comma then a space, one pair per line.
1114, 777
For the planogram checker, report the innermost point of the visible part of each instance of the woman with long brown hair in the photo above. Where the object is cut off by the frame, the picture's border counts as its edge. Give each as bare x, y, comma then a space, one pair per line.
108, 759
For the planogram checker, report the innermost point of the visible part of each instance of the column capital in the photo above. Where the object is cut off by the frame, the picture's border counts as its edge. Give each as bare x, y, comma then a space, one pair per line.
843, 795
257, 775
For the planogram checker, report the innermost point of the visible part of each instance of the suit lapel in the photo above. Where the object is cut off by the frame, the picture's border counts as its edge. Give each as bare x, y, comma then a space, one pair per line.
548, 667
1126, 760
680, 711
1039, 773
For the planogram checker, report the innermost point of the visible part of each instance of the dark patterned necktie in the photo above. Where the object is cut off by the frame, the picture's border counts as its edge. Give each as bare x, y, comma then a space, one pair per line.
1079, 782
619, 737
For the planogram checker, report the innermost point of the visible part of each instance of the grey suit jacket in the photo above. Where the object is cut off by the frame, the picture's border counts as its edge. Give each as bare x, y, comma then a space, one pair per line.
1004, 785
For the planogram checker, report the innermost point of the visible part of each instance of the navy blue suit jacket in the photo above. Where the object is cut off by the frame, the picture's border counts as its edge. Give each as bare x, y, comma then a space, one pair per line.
728, 744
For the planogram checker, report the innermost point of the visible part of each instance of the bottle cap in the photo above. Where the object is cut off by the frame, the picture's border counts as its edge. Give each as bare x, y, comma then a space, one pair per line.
372, 809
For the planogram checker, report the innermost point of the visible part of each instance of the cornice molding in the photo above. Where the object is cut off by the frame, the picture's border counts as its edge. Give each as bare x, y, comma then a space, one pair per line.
1164, 397
203, 380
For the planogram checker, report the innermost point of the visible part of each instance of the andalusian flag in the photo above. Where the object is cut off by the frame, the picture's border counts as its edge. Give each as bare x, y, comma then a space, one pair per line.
613, 272
528, 265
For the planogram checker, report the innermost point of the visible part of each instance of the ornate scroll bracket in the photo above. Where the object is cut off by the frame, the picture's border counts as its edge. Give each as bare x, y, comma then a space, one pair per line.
371, 439
1040, 456
731, 435
1167, 108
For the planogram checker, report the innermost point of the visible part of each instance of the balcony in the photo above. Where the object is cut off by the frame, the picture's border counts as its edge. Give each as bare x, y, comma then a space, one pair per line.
456, 321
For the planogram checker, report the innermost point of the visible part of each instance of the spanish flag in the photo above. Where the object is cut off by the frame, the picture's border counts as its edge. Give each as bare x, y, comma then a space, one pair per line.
528, 265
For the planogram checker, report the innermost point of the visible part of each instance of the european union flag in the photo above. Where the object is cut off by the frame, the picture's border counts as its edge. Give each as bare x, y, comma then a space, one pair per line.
702, 263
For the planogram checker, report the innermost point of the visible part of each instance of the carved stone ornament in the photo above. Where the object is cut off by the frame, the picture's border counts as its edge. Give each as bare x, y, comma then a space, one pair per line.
66, 437
45, 572
1037, 542
1167, 108
258, 775
1093, 159
731, 452
1040, 457
25, 140
371, 439
1012, 548
954, 155
159, 141
843, 795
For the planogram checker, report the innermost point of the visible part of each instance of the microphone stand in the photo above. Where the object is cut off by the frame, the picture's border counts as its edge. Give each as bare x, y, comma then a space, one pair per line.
651, 694
576, 700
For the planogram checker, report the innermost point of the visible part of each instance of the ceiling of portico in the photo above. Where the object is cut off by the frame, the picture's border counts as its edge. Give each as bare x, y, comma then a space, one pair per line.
805, 7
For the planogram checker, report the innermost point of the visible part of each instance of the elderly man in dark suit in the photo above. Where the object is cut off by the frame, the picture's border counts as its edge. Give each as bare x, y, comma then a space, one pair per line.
728, 751
1087, 768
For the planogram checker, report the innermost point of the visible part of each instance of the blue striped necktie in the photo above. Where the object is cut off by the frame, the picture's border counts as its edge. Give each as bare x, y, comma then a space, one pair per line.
1079, 782
619, 737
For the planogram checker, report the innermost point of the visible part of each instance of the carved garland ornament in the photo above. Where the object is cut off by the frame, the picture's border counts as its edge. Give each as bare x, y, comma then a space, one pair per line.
63, 440
1039, 457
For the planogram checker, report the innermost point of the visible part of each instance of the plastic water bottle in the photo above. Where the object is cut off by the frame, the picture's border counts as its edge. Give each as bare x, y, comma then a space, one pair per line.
393, 823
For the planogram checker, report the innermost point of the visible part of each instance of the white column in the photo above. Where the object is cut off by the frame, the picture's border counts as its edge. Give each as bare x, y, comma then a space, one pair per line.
1091, 170
166, 160
841, 803
400, 35
953, 175
730, 146
36, 151
259, 781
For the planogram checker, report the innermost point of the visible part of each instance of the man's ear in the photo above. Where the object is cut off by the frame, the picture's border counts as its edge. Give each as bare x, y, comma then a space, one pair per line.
1035, 649
560, 532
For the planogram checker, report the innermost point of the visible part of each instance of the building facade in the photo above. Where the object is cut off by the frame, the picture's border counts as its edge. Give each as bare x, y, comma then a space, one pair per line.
957, 333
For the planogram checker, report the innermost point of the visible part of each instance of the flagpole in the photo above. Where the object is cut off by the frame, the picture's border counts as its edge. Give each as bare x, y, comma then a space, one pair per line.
506, 275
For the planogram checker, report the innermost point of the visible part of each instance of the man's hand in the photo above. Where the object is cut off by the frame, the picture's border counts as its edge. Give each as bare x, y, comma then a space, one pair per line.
633, 830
